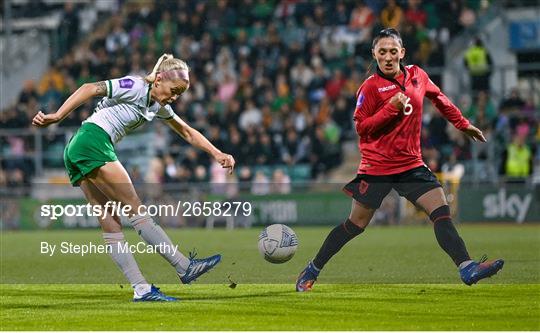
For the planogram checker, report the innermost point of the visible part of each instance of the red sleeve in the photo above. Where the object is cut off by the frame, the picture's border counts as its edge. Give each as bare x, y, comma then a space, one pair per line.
444, 105
367, 118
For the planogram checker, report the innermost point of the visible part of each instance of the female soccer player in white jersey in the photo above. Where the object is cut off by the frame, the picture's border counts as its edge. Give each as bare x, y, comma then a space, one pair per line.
91, 161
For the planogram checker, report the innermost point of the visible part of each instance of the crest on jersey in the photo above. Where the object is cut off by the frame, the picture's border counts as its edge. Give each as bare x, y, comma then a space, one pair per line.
360, 100
126, 83
414, 82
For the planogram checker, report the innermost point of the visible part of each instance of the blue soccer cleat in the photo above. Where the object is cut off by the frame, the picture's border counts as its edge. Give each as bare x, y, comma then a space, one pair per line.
198, 267
154, 295
307, 278
477, 271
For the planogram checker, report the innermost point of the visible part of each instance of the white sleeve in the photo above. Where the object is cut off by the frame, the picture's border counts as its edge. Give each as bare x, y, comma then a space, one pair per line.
126, 89
165, 112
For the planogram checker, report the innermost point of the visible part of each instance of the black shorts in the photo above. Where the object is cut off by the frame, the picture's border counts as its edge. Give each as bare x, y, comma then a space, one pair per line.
411, 184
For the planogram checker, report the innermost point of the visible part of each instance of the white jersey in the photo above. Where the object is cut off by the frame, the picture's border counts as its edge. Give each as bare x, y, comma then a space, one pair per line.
126, 107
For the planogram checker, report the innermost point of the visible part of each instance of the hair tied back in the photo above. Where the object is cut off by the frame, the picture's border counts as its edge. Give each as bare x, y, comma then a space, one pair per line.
152, 76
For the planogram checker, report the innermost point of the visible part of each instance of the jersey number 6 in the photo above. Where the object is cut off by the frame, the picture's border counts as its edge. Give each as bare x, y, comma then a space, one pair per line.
407, 109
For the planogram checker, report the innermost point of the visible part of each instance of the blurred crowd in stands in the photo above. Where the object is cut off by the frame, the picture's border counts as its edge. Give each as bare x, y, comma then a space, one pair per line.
272, 82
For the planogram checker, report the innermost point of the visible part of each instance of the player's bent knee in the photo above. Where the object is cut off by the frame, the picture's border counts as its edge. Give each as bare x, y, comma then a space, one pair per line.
440, 214
361, 222
110, 224
352, 228
361, 214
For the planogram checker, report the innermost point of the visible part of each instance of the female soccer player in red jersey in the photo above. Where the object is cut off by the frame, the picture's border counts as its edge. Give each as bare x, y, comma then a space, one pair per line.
388, 119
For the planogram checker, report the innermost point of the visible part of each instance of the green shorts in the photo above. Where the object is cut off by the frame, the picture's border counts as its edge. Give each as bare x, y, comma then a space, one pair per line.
90, 148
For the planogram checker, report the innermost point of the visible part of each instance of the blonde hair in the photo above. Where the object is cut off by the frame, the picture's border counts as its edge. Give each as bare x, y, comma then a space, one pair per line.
167, 62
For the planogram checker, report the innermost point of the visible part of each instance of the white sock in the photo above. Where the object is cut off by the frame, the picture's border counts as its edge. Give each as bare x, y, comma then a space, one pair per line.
124, 260
465, 264
141, 289
153, 234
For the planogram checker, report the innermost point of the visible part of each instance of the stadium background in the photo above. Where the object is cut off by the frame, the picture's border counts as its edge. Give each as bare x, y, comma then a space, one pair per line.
273, 83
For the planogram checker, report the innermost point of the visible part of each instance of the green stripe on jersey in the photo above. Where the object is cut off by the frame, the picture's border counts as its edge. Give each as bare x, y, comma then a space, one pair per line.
137, 124
110, 89
148, 95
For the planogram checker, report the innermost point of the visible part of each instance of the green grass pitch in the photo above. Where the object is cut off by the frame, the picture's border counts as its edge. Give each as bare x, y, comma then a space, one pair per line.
389, 278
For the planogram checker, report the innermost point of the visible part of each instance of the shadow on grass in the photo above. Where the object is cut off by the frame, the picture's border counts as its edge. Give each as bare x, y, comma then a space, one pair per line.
246, 296
59, 299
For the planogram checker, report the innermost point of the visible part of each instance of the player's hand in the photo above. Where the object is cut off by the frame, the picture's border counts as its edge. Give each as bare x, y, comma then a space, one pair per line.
43, 120
474, 133
226, 161
399, 100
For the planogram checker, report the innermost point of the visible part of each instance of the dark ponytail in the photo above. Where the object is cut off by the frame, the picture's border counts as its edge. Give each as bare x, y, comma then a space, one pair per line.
388, 32
368, 70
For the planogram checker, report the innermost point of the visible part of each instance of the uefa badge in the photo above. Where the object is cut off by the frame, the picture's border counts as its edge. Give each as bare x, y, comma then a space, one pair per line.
360, 100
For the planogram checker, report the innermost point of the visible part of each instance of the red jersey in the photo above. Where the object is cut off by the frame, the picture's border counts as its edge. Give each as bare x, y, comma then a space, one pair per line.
389, 138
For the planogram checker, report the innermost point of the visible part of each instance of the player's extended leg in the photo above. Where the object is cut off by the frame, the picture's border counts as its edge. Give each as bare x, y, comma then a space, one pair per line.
358, 220
113, 180
435, 205
114, 238
339, 236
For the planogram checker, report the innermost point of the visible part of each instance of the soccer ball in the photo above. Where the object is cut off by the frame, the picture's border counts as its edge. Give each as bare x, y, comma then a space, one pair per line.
277, 243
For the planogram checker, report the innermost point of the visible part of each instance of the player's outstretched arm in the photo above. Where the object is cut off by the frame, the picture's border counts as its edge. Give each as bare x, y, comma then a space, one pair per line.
196, 139
474, 133
80, 96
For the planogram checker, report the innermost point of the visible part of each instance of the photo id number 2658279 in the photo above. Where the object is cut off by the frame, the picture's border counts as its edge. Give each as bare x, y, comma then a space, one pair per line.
214, 208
